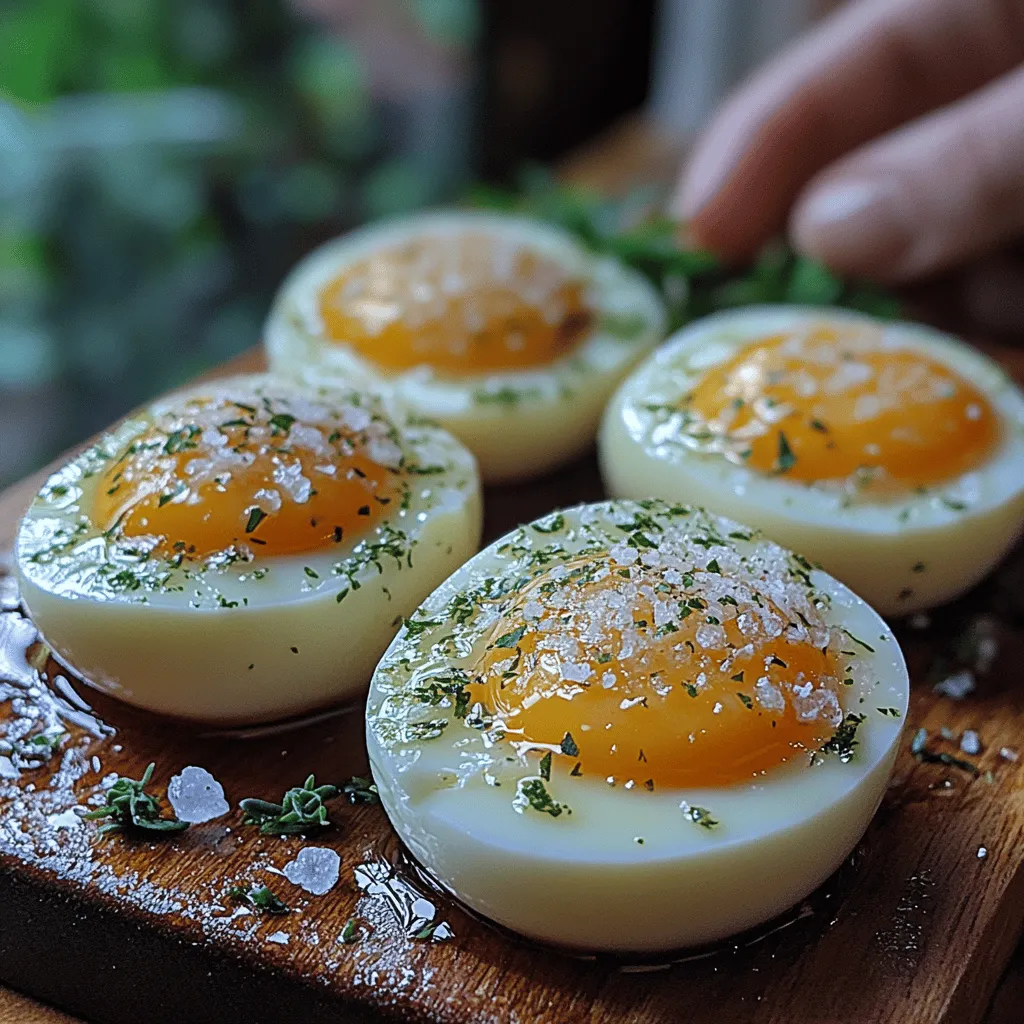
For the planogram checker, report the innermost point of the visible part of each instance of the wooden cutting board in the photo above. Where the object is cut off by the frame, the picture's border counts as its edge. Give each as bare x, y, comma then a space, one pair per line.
916, 928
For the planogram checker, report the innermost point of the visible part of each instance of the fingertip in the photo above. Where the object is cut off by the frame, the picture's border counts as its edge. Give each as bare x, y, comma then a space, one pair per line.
852, 225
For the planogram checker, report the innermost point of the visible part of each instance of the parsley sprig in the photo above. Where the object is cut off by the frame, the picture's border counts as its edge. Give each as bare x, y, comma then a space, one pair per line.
692, 282
131, 809
302, 810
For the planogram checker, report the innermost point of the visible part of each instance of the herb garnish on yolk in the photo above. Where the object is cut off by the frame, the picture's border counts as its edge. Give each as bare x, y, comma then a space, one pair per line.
842, 405
660, 667
282, 475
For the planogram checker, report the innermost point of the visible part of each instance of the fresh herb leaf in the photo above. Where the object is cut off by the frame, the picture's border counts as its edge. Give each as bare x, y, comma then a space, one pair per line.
857, 640
510, 639
745, 700
301, 811
545, 767
699, 816
256, 516
843, 740
261, 898
131, 809
180, 440
786, 460
538, 797
281, 423
361, 789
557, 523
569, 746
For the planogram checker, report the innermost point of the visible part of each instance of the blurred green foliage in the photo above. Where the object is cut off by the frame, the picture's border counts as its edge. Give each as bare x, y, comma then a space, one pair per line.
162, 164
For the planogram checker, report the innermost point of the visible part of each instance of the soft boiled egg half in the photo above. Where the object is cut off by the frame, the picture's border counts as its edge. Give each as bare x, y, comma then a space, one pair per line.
504, 330
245, 550
635, 726
890, 453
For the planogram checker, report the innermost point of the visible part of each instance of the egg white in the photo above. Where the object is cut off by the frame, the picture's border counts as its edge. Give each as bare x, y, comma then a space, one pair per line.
900, 555
518, 423
235, 640
584, 880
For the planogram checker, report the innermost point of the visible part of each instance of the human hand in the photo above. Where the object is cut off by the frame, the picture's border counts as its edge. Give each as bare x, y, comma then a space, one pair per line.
890, 137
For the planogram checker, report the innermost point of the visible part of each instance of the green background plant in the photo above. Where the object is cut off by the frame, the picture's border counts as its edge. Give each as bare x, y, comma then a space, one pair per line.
162, 164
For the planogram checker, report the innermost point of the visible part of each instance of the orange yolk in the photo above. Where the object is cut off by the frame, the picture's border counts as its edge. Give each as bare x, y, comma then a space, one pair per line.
462, 304
220, 475
833, 405
691, 703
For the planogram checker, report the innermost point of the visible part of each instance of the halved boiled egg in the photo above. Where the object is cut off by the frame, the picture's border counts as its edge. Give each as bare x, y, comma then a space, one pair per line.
635, 726
504, 330
890, 453
246, 549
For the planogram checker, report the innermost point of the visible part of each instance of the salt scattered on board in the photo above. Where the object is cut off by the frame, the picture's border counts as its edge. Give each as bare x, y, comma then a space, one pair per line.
316, 869
956, 686
196, 796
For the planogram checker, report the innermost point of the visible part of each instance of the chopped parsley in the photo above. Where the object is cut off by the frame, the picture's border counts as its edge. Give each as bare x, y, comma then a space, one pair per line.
745, 701
361, 789
569, 746
537, 796
844, 739
509, 640
260, 898
786, 460
281, 422
545, 766
556, 523
919, 748
256, 516
699, 816
857, 640
181, 440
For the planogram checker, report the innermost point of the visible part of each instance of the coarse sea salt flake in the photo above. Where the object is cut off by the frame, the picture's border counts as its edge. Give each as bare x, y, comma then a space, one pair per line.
315, 869
196, 796
957, 686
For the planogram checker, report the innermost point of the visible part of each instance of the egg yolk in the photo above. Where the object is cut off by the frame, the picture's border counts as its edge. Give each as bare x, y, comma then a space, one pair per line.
835, 404
463, 304
218, 475
659, 679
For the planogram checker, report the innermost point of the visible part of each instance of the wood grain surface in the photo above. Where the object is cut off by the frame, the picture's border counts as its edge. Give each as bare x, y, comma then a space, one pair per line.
915, 928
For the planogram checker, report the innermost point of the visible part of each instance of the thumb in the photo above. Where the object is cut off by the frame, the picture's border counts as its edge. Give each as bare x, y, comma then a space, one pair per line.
924, 197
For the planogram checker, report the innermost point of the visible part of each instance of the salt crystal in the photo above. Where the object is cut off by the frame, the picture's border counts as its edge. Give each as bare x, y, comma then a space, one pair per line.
532, 610
7, 769
1008, 754
969, 742
196, 796
279, 938
768, 695
982, 853
956, 686
623, 554
66, 819
316, 869
575, 672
